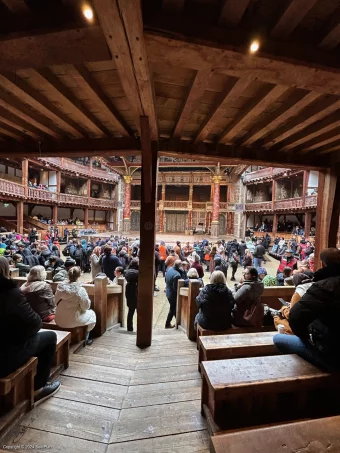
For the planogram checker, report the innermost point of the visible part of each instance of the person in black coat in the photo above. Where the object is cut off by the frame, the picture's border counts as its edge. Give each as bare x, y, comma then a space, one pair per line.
20, 338
109, 262
131, 292
314, 319
215, 302
173, 274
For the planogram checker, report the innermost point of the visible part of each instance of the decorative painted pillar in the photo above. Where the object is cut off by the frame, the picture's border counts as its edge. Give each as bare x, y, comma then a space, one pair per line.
216, 206
58, 175
127, 204
161, 211
24, 178
273, 193
191, 189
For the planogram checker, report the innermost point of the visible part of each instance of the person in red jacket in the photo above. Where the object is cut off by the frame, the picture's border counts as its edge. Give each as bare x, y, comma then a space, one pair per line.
287, 260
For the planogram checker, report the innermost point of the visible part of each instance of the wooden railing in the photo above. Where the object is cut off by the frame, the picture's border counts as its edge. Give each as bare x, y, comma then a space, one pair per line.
40, 194
175, 204
261, 206
84, 201
11, 188
289, 203
259, 174
311, 201
135, 204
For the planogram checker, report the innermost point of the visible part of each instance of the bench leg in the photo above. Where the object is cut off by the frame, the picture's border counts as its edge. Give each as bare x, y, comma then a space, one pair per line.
204, 394
66, 354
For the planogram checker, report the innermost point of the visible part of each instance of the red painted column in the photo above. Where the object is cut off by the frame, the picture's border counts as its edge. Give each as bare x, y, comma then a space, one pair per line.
127, 204
216, 206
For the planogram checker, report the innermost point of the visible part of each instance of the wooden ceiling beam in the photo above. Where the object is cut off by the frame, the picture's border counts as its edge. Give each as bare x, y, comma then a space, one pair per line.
218, 111
328, 141
88, 83
199, 85
16, 6
173, 5
25, 112
121, 146
11, 132
294, 14
21, 125
257, 132
315, 113
275, 63
232, 12
229, 155
88, 119
252, 111
26, 93
59, 47
332, 39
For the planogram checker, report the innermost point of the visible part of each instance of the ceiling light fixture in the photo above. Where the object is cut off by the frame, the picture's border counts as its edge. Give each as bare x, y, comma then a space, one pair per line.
88, 13
254, 46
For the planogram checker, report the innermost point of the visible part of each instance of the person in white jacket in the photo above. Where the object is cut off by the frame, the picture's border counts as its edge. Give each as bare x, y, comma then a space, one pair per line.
73, 304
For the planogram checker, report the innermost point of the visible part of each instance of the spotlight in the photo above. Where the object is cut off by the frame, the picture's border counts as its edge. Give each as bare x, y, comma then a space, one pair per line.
254, 46
88, 12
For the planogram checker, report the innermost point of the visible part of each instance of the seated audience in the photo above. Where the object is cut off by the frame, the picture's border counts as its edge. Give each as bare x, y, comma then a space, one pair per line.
20, 338
23, 268
287, 276
192, 274
248, 310
73, 304
131, 291
269, 280
109, 262
262, 273
215, 303
314, 318
61, 268
39, 293
119, 272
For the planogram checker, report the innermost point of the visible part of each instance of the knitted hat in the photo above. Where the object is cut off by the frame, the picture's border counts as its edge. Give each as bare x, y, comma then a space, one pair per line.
269, 280
262, 270
69, 262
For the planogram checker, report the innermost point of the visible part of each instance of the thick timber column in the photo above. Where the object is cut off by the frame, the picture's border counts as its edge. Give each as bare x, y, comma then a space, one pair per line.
216, 206
127, 204
147, 235
54, 214
191, 190
86, 217
20, 217
308, 221
24, 178
325, 213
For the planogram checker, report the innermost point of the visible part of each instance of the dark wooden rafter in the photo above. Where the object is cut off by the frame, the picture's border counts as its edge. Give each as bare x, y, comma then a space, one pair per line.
218, 111
25, 112
331, 35
173, 5
88, 83
69, 99
316, 113
232, 12
23, 91
199, 85
18, 123
11, 132
16, 6
123, 27
59, 47
251, 112
321, 144
257, 132
295, 12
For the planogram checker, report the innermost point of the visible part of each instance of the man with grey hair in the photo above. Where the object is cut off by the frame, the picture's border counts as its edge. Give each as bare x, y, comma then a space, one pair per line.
198, 266
173, 274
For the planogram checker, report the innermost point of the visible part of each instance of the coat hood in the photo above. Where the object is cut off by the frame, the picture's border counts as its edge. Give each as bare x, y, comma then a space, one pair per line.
219, 288
31, 287
68, 289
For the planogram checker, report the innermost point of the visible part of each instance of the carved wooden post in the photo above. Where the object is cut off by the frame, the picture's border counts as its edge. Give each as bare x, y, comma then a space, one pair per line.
127, 205
180, 285
194, 289
121, 313
54, 214
216, 206
100, 304
308, 221
24, 178
20, 217
147, 235
86, 217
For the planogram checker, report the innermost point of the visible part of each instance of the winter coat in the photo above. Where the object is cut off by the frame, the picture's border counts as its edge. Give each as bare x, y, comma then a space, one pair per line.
171, 279
110, 262
73, 306
124, 259
18, 321
215, 302
321, 301
259, 251
131, 291
60, 274
44, 256
40, 297
248, 310
28, 258
96, 266
23, 269
196, 265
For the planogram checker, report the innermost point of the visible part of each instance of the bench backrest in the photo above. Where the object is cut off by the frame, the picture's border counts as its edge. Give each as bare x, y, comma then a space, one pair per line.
271, 295
186, 307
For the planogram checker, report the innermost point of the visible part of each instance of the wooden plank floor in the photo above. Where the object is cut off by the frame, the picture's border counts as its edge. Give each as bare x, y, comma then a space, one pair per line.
116, 398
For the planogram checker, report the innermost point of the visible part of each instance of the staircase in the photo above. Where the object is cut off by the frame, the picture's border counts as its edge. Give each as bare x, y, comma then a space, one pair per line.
32, 223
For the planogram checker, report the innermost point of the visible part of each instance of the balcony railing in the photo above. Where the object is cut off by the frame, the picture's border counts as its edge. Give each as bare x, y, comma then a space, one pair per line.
259, 174
289, 203
70, 165
175, 204
135, 203
41, 195
261, 206
84, 201
199, 205
311, 201
11, 188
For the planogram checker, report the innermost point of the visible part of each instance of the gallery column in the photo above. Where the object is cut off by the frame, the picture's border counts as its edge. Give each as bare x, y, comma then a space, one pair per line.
216, 206
127, 204
161, 211
20, 217
191, 189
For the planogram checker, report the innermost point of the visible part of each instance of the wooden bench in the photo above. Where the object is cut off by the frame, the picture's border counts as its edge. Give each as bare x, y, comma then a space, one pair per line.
232, 331
271, 295
13, 272
77, 334
107, 301
61, 359
187, 307
222, 347
314, 436
17, 395
240, 393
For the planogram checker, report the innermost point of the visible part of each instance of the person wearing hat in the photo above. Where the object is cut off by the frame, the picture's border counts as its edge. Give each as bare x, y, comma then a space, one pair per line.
262, 273
178, 249
60, 268
287, 260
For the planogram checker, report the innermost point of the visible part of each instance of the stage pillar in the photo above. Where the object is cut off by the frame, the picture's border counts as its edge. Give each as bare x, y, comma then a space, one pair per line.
216, 206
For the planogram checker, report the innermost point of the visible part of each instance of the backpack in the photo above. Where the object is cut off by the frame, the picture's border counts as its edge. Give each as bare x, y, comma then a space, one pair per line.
78, 254
224, 266
322, 337
66, 251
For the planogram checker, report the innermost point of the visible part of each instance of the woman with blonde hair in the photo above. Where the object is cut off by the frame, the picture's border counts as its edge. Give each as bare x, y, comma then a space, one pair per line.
96, 264
39, 293
73, 304
215, 303
20, 338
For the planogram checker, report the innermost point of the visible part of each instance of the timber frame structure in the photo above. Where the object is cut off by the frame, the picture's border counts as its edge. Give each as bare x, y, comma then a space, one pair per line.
160, 77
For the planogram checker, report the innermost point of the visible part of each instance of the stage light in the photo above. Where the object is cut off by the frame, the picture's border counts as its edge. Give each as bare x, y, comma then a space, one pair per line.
254, 46
88, 12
